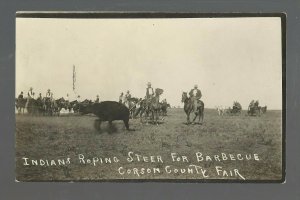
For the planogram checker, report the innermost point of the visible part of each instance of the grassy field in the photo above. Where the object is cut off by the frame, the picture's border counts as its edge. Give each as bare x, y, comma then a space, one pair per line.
68, 137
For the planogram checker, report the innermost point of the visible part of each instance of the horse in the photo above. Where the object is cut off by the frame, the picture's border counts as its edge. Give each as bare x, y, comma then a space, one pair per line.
131, 104
189, 108
51, 106
236, 109
221, 110
155, 106
57, 105
35, 106
20, 105
141, 109
75, 106
263, 109
63, 104
254, 109
150, 106
164, 106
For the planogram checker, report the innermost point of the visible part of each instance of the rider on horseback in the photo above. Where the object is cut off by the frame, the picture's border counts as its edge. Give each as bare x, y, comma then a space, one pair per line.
121, 97
20, 95
127, 95
67, 101
97, 99
195, 95
30, 95
48, 93
40, 98
149, 95
127, 98
149, 91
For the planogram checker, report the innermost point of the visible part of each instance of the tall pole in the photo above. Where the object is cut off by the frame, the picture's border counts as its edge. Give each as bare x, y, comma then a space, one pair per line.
74, 79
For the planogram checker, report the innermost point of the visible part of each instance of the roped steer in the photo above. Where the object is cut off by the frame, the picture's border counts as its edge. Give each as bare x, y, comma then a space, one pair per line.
107, 111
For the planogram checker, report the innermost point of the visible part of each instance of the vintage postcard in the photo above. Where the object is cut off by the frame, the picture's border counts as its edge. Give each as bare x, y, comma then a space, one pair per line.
150, 97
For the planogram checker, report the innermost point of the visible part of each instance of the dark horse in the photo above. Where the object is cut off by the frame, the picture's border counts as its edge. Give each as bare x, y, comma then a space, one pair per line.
155, 106
20, 105
150, 107
254, 109
189, 108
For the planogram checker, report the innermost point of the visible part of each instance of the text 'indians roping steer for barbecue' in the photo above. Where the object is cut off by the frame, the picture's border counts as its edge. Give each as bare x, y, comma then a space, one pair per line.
107, 111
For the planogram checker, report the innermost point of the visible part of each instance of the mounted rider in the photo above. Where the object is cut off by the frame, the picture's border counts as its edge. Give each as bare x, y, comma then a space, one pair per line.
20, 99
251, 105
52, 100
40, 98
47, 100
149, 91
20, 96
78, 99
48, 94
97, 99
30, 95
195, 95
149, 95
121, 97
127, 98
67, 101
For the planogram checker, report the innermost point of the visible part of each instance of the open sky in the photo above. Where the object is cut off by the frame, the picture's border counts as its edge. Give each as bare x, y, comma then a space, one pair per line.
229, 58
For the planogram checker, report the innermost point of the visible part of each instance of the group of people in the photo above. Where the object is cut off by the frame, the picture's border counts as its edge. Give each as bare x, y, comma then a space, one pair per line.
125, 98
31, 95
195, 95
48, 96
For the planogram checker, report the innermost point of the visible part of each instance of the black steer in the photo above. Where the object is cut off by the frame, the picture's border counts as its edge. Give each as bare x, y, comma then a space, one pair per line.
107, 111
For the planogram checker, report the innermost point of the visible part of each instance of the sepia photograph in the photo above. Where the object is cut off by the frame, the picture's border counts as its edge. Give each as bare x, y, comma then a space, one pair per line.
158, 97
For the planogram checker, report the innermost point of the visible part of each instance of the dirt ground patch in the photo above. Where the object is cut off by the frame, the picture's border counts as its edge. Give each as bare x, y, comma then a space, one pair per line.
60, 142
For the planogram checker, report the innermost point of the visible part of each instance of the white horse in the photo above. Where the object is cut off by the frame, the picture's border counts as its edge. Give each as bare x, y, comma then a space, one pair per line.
221, 110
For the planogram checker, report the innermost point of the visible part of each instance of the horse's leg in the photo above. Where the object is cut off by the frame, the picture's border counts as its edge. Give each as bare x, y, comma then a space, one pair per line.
152, 116
156, 116
202, 116
188, 117
196, 115
141, 115
136, 112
